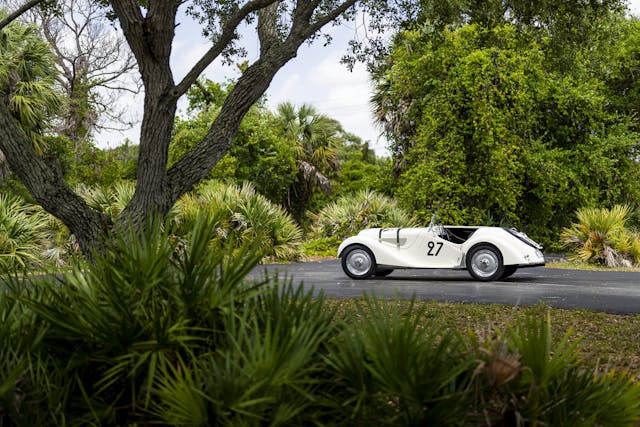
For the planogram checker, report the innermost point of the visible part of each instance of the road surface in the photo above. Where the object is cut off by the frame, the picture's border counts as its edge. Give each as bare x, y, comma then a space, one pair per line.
613, 292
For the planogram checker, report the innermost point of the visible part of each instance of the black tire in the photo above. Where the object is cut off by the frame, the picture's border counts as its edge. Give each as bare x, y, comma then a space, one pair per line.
484, 263
508, 271
358, 262
383, 272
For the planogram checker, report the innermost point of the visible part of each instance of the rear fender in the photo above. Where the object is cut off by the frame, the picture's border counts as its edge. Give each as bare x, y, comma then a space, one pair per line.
512, 249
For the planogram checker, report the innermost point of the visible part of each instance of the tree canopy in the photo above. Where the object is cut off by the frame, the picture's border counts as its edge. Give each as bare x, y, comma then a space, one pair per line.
487, 125
149, 29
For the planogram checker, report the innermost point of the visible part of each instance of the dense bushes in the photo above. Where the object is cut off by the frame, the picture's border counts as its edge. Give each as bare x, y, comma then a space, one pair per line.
153, 333
242, 216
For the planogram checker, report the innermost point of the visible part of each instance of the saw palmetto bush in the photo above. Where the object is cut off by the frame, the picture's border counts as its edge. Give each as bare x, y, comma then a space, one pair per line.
110, 200
526, 377
350, 214
111, 328
242, 215
267, 370
600, 236
397, 370
146, 334
23, 233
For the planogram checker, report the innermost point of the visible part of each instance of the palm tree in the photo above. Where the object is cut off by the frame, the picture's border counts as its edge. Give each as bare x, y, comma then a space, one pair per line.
27, 81
315, 138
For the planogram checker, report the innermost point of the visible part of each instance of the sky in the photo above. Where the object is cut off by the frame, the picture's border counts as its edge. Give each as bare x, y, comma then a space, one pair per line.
314, 77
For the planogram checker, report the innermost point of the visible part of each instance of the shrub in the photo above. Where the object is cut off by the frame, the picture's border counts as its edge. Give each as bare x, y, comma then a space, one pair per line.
242, 215
23, 230
110, 200
397, 370
528, 378
350, 214
146, 335
600, 236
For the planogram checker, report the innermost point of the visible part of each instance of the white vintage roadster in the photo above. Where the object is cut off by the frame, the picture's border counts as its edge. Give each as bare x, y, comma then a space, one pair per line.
487, 253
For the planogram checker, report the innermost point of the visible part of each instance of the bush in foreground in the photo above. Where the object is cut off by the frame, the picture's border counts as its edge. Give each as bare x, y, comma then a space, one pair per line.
147, 334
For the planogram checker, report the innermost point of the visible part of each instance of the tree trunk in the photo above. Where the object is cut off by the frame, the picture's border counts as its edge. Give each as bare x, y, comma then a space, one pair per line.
47, 185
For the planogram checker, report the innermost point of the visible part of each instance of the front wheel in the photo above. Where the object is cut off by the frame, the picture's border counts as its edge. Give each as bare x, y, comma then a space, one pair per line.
484, 263
358, 262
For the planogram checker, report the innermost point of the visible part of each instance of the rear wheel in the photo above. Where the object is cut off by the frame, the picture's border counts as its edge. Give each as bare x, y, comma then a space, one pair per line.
358, 262
484, 263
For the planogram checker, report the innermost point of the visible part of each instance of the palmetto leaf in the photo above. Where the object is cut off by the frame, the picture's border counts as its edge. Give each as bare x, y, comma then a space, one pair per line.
600, 236
420, 375
27, 75
23, 229
242, 215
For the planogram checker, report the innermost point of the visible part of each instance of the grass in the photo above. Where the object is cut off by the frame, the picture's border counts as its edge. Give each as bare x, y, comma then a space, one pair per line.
605, 341
575, 265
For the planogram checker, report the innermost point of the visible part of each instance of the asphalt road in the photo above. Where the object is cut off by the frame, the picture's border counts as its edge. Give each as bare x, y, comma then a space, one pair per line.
613, 292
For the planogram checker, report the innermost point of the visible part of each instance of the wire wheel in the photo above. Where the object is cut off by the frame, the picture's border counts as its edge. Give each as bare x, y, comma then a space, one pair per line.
484, 263
358, 262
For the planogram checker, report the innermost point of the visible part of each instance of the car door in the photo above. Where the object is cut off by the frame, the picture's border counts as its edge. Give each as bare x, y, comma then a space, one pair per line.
432, 251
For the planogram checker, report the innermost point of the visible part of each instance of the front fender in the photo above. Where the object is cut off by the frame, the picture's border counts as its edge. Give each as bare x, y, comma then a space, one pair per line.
385, 254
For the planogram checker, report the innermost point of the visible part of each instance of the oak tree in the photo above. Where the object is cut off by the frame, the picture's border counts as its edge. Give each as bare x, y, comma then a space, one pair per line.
149, 29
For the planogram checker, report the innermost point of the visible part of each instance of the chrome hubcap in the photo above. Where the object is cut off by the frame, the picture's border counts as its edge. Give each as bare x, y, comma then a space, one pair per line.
485, 263
358, 262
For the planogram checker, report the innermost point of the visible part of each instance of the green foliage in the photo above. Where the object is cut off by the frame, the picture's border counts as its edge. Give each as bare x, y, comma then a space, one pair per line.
23, 233
352, 213
600, 236
399, 371
536, 380
110, 200
484, 128
260, 153
360, 169
27, 80
150, 332
267, 368
315, 139
242, 215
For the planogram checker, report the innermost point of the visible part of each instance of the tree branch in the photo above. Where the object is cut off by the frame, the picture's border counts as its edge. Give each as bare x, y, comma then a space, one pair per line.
15, 15
267, 31
47, 185
226, 35
307, 29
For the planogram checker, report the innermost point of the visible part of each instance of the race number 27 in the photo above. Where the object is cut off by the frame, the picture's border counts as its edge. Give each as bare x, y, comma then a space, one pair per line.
432, 246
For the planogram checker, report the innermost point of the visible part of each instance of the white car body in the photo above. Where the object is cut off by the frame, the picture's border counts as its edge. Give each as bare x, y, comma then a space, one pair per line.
488, 253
